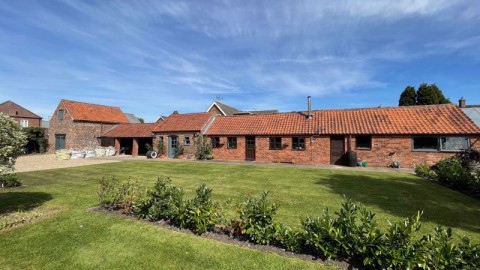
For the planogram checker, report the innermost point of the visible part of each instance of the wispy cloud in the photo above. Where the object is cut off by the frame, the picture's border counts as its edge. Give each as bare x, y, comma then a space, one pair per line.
151, 57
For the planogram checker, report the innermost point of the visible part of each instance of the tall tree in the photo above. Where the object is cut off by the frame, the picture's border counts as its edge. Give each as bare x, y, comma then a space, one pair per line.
426, 94
430, 94
408, 97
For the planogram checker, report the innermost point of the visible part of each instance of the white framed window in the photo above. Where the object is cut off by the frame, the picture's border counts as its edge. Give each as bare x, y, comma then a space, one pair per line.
24, 123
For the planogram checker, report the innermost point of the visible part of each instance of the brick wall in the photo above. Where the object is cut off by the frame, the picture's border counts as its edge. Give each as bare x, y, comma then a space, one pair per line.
32, 122
385, 149
215, 110
189, 150
78, 135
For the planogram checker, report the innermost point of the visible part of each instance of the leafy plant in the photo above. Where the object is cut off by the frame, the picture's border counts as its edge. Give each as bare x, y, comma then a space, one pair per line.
178, 151
115, 195
256, 216
166, 201
450, 171
149, 147
423, 170
201, 213
203, 149
161, 147
9, 180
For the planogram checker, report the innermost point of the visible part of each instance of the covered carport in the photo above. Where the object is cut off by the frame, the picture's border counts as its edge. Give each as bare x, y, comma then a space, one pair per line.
131, 139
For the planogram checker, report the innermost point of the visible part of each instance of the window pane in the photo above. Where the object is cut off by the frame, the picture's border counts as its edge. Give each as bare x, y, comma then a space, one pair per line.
275, 143
298, 143
186, 140
425, 143
232, 142
454, 143
363, 142
60, 115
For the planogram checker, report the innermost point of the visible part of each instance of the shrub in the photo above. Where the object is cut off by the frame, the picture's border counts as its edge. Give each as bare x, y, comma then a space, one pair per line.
287, 238
9, 180
256, 217
161, 147
451, 172
12, 142
36, 142
203, 149
166, 201
470, 155
115, 195
201, 213
423, 170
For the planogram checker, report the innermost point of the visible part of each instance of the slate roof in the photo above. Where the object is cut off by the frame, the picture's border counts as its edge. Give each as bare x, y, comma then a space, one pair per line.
94, 113
430, 119
14, 110
132, 118
228, 110
130, 130
473, 113
183, 122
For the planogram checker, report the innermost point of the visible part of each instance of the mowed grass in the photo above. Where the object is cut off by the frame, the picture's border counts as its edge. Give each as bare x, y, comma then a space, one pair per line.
77, 238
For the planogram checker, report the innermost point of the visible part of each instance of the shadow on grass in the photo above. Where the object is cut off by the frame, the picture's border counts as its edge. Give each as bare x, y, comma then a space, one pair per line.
403, 196
14, 201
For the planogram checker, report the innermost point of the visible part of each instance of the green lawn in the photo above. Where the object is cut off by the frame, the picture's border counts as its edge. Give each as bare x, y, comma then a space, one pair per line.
73, 237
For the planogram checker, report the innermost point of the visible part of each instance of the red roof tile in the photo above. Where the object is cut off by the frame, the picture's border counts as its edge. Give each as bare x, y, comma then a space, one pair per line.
130, 131
433, 119
183, 122
94, 113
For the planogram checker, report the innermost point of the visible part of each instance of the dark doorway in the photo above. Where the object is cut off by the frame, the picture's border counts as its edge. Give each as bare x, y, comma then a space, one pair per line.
337, 150
250, 148
126, 145
59, 142
142, 148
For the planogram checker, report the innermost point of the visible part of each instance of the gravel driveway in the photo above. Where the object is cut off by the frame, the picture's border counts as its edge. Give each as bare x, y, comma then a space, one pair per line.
48, 161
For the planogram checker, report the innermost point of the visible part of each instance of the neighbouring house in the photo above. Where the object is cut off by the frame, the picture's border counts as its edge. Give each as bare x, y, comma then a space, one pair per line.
472, 111
179, 131
77, 125
24, 117
225, 110
131, 139
410, 135
132, 118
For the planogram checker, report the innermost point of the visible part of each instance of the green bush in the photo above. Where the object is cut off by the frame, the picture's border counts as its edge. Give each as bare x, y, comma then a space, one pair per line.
166, 201
203, 149
256, 216
287, 238
423, 170
451, 172
352, 233
201, 213
115, 195
9, 180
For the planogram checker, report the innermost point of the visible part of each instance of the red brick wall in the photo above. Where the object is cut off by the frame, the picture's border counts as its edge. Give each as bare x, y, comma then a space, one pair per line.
32, 122
318, 151
189, 150
79, 135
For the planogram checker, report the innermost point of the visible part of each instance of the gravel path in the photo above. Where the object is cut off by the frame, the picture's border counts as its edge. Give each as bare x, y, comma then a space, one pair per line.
45, 162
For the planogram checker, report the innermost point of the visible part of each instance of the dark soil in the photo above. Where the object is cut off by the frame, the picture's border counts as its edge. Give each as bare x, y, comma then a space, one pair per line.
219, 234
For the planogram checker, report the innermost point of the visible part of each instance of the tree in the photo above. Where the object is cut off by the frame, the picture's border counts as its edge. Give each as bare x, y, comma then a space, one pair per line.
141, 120
408, 97
12, 142
430, 94
426, 94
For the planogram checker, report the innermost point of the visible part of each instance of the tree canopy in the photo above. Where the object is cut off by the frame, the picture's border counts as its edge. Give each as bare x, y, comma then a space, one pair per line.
12, 142
426, 94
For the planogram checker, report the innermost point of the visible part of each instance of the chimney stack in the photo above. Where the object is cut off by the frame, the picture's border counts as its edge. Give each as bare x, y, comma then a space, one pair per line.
309, 115
175, 112
462, 103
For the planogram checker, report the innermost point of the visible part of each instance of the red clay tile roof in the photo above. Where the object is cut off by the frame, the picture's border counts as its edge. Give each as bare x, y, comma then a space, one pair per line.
183, 122
130, 131
11, 108
94, 113
433, 119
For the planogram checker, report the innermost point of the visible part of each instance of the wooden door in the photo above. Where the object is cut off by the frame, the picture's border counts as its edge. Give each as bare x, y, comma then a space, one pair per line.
250, 148
172, 146
337, 150
59, 142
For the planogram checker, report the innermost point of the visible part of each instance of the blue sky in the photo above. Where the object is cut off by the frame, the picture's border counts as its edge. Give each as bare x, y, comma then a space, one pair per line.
153, 57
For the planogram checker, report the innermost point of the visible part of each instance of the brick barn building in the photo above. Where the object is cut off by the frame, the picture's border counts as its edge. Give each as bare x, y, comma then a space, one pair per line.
181, 130
409, 135
131, 139
77, 125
